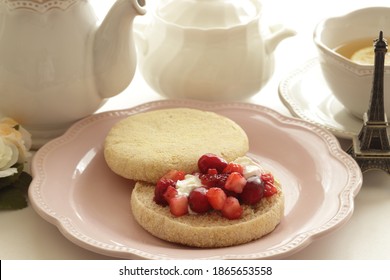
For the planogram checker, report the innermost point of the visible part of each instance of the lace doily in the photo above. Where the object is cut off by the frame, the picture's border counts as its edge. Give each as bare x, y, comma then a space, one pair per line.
38, 5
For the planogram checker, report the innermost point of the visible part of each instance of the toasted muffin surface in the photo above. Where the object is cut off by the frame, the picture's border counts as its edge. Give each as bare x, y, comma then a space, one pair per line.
207, 230
145, 146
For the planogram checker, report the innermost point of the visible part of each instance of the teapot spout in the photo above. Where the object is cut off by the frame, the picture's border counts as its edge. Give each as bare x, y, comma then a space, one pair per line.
114, 50
278, 33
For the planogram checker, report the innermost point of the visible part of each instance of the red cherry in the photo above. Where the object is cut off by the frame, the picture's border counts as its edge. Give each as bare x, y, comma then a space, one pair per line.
211, 161
198, 202
253, 191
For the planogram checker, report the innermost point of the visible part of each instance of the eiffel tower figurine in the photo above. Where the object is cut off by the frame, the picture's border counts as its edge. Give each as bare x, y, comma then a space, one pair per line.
371, 147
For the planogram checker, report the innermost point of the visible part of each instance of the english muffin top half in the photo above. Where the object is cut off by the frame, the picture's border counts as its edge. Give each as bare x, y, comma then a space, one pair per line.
145, 146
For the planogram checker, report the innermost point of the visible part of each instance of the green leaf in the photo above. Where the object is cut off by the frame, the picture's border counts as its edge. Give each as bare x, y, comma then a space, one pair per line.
24, 182
7, 181
12, 198
13, 190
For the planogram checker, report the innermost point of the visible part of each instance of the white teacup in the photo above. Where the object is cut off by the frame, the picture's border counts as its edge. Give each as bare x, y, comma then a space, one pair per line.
350, 80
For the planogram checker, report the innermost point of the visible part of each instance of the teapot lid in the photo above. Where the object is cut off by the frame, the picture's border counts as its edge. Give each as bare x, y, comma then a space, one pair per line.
208, 13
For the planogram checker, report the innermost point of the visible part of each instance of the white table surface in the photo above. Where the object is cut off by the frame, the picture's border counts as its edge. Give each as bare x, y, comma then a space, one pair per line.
25, 235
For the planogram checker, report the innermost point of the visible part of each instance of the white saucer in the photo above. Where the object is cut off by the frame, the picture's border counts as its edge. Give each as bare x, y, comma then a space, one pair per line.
305, 93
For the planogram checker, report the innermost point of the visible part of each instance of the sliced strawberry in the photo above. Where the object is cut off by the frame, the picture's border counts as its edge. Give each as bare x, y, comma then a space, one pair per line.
235, 182
253, 191
211, 161
160, 189
216, 198
232, 209
178, 206
175, 175
198, 201
269, 189
170, 193
234, 167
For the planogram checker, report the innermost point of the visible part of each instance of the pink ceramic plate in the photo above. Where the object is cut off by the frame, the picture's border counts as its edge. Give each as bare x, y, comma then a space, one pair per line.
75, 190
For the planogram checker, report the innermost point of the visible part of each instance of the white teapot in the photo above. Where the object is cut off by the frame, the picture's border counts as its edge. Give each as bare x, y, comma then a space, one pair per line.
207, 49
57, 65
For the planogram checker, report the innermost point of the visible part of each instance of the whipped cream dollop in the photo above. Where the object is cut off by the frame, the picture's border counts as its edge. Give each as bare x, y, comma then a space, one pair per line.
190, 182
251, 168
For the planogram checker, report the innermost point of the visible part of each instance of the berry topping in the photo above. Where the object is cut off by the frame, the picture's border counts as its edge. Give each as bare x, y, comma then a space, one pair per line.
198, 201
212, 171
216, 198
232, 209
160, 189
269, 190
217, 186
235, 182
178, 206
211, 161
267, 178
234, 167
253, 191
213, 180
170, 193
175, 175
269, 187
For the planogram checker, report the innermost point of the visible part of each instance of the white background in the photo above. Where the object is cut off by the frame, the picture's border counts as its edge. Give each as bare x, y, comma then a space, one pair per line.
25, 235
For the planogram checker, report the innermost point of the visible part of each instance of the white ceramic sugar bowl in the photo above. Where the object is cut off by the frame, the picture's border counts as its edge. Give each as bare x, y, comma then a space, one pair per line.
208, 49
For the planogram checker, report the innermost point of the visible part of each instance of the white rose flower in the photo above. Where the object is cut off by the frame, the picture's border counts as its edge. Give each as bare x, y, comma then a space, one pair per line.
9, 155
15, 143
18, 136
